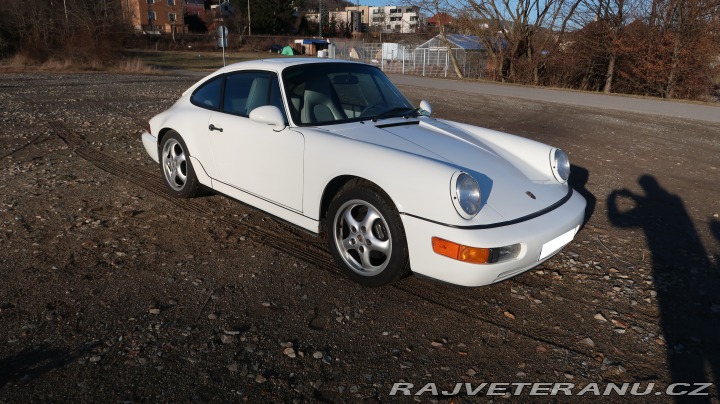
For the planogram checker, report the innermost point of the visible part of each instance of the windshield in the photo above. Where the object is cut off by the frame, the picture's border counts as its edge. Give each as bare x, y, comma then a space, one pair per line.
330, 93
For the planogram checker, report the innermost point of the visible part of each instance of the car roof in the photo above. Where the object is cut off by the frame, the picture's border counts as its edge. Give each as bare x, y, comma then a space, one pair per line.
273, 64
277, 64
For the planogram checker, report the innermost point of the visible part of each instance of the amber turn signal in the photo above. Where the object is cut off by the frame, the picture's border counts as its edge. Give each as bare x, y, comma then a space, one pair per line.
472, 255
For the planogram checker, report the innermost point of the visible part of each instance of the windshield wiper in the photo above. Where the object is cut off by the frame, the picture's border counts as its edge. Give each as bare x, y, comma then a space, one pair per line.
395, 112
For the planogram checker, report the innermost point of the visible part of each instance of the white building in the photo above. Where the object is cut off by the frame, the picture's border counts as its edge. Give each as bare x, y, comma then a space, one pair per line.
402, 19
338, 17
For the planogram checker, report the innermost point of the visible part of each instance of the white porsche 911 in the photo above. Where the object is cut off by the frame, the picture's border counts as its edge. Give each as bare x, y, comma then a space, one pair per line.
333, 147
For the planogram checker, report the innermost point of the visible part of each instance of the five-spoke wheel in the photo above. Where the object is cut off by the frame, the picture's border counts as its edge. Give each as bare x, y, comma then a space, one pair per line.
362, 237
176, 167
366, 236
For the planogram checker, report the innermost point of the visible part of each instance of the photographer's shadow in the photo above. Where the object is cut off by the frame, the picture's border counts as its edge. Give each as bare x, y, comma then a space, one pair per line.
686, 286
579, 178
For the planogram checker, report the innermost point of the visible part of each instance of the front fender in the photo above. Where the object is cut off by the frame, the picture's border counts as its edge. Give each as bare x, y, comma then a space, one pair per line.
417, 185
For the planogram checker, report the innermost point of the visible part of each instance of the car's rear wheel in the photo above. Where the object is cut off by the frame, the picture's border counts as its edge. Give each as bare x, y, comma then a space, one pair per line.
177, 168
366, 236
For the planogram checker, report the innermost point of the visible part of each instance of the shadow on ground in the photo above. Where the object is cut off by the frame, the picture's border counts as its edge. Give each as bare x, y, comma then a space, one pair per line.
578, 181
686, 284
30, 363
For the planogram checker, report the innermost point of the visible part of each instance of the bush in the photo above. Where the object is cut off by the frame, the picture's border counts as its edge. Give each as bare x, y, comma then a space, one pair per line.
40, 31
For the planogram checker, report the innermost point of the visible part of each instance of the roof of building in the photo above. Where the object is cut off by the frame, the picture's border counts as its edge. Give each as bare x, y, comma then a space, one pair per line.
440, 18
467, 42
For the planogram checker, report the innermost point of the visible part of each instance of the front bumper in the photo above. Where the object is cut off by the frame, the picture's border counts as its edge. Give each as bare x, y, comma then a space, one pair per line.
151, 145
532, 235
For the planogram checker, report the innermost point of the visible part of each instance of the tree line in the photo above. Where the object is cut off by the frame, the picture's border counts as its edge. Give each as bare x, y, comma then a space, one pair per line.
662, 48
85, 31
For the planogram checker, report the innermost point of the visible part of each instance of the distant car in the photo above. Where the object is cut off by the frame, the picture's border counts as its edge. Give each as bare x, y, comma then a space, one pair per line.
275, 48
334, 148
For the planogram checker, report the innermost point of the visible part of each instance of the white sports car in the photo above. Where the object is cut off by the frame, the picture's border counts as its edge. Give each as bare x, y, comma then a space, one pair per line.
333, 147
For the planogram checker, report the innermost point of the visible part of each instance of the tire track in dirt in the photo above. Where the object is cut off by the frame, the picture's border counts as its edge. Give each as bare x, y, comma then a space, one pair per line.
634, 362
145, 180
464, 305
566, 292
6, 144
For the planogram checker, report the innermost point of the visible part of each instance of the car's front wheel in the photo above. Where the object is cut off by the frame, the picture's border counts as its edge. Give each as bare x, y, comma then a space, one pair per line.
366, 236
176, 167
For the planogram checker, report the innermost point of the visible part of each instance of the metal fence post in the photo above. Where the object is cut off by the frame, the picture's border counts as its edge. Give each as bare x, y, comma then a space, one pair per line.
382, 57
447, 56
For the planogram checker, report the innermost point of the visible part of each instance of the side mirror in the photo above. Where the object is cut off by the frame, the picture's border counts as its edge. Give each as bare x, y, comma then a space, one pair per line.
425, 108
269, 115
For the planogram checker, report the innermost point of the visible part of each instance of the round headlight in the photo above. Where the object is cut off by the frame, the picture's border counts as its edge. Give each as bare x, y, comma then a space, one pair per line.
560, 165
465, 195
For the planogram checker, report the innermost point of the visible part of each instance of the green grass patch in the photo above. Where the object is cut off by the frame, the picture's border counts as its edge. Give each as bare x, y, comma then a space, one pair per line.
195, 61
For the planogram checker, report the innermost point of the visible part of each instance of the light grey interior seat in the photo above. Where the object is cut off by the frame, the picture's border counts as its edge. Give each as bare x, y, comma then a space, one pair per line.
258, 95
320, 104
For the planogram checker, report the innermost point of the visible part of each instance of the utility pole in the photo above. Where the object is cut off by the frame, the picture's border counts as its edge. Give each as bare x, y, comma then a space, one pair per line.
320, 18
249, 24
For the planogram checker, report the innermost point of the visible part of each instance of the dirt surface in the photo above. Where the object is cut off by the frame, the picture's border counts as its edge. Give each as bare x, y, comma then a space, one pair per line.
113, 291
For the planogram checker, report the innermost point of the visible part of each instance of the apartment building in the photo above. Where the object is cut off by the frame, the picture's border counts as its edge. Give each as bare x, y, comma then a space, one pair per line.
161, 16
402, 19
364, 15
349, 18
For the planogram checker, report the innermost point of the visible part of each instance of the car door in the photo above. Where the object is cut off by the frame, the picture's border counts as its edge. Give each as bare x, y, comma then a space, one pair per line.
251, 156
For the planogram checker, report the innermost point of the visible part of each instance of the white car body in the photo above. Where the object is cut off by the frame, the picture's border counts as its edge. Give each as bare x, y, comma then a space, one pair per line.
289, 170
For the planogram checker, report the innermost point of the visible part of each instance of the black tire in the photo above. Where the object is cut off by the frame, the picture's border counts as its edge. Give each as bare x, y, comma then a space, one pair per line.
366, 237
177, 169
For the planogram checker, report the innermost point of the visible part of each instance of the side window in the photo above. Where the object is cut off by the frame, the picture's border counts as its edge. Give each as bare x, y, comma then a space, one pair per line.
294, 90
249, 90
237, 88
276, 97
208, 96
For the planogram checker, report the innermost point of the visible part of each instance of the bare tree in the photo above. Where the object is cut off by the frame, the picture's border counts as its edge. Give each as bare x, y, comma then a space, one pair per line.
612, 14
672, 52
602, 23
693, 29
516, 33
75, 30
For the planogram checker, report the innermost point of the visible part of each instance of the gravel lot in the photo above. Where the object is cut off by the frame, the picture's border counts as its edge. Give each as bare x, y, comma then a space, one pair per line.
113, 291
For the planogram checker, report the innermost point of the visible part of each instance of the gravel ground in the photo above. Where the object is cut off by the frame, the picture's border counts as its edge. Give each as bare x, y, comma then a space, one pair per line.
113, 291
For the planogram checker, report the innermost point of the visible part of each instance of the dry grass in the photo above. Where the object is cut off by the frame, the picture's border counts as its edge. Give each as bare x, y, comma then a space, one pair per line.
20, 63
193, 60
134, 61
133, 65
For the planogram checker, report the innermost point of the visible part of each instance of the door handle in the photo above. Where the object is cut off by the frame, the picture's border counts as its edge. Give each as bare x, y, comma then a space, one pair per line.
213, 127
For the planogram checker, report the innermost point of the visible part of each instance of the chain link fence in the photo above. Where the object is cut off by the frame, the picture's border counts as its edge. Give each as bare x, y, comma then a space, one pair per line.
412, 59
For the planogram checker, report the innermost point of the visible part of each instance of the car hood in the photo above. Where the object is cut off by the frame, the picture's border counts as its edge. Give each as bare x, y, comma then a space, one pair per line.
510, 191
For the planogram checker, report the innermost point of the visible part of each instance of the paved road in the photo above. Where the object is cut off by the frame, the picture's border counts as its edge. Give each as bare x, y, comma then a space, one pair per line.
675, 109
